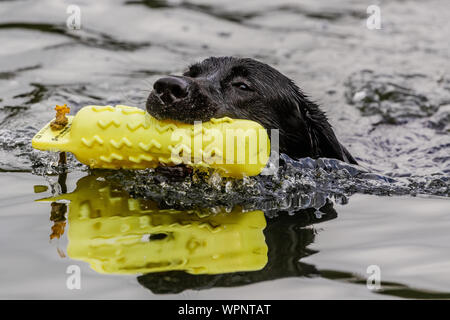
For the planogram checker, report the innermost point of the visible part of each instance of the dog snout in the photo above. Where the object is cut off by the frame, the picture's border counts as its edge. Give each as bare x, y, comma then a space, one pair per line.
171, 88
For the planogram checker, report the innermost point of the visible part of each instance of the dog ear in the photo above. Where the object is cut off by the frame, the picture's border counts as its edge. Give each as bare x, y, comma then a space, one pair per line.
323, 140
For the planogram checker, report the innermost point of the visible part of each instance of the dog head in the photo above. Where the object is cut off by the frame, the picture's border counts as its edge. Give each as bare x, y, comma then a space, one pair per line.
243, 88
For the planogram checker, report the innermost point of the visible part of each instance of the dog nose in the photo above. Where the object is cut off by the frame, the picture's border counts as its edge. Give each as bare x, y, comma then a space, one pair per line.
171, 88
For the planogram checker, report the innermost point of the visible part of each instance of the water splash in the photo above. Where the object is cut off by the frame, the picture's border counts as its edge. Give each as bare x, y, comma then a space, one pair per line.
298, 184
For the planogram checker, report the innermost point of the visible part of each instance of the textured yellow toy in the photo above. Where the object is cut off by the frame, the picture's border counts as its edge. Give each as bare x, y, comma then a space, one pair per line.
127, 137
117, 234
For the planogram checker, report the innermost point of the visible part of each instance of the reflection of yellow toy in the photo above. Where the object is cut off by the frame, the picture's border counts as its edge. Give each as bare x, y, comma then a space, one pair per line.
117, 234
127, 137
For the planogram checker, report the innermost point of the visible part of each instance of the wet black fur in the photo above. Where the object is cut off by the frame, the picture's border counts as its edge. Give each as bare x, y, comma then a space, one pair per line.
244, 88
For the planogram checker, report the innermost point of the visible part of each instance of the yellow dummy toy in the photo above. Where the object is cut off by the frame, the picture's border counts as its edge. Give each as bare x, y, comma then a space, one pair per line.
129, 138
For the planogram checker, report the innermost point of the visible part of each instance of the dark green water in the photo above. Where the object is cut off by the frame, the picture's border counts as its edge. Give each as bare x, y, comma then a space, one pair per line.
386, 92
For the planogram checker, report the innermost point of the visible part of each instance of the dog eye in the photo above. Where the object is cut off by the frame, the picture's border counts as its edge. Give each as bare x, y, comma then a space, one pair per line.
193, 72
190, 74
241, 86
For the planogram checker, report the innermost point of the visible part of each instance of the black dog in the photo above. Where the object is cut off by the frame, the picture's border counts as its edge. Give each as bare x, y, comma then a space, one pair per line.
248, 89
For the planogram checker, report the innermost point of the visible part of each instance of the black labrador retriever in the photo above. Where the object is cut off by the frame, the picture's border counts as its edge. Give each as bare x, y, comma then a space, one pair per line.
243, 88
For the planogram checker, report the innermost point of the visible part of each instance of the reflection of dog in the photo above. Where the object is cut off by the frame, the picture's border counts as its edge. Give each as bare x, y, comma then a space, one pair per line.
248, 89
287, 241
